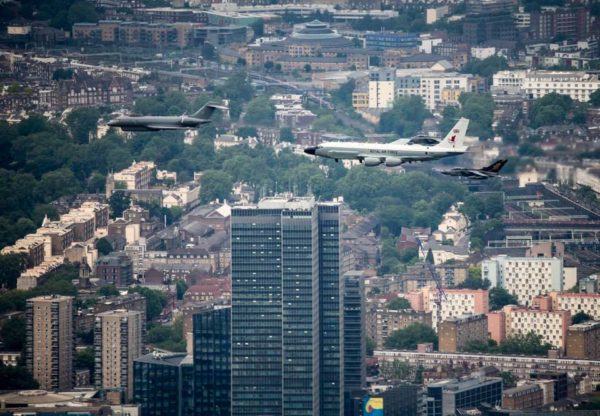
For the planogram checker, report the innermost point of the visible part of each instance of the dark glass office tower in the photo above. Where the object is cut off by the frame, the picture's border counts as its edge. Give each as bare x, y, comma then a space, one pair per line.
212, 369
331, 307
354, 332
157, 384
281, 262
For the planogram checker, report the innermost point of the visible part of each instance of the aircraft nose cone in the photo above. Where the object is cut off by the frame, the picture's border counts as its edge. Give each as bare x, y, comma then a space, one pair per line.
112, 122
310, 150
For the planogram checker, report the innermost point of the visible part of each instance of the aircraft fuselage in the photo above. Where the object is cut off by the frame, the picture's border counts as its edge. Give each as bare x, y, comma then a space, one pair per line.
155, 123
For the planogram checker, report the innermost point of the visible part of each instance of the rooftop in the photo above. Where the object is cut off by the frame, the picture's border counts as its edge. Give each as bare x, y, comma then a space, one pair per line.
159, 358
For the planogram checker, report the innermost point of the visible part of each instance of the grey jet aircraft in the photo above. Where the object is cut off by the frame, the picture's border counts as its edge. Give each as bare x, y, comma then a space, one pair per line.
156, 123
487, 172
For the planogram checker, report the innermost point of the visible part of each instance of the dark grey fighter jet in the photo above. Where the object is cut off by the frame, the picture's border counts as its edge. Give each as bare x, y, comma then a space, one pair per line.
483, 173
155, 123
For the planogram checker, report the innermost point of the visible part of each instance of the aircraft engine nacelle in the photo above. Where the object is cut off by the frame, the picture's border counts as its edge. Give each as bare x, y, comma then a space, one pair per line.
372, 161
393, 161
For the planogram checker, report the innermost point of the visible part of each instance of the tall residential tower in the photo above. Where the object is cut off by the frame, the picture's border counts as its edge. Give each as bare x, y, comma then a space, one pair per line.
118, 341
49, 344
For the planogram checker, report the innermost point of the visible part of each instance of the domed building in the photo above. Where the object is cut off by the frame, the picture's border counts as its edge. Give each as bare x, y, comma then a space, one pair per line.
314, 43
314, 38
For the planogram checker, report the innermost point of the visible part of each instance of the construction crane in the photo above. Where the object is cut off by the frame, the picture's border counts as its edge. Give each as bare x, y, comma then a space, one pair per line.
440, 294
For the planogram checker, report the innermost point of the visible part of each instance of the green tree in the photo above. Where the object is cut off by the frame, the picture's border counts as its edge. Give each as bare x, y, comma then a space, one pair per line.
84, 359
13, 334
486, 67
343, 95
58, 183
398, 304
103, 246
11, 266
550, 109
208, 52
215, 185
499, 298
580, 317
246, 131
405, 118
119, 202
181, 287
286, 135
155, 301
260, 111
82, 122
16, 378
474, 283
307, 68
108, 291
595, 98
528, 344
409, 337
479, 109
370, 347
509, 379
81, 11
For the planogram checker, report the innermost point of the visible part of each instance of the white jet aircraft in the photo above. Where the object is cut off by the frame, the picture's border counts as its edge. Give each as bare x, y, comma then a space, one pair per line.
395, 153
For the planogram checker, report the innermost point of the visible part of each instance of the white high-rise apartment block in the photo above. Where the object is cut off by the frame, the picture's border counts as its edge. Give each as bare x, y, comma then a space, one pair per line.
536, 84
456, 302
550, 325
444, 87
381, 94
588, 303
525, 277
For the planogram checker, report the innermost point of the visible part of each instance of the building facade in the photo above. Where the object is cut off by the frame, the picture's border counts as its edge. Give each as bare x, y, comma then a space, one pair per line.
287, 345
49, 349
588, 303
355, 346
445, 397
578, 85
118, 340
212, 365
161, 384
525, 277
583, 341
457, 332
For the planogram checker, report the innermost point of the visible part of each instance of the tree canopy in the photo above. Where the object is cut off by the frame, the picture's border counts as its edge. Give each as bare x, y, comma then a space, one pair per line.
580, 317
409, 337
405, 118
499, 298
398, 304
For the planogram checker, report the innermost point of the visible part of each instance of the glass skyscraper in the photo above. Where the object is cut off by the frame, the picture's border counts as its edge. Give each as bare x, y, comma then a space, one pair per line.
286, 321
212, 370
160, 384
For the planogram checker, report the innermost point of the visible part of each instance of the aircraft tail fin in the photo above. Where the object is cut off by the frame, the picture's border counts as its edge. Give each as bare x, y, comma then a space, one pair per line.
496, 166
207, 110
456, 137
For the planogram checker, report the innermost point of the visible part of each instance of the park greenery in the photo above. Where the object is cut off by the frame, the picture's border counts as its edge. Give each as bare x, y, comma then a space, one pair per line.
155, 301
170, 338
527, 344
556, 108
398, 304
405, 118
478, 108
409, 337
485, 67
